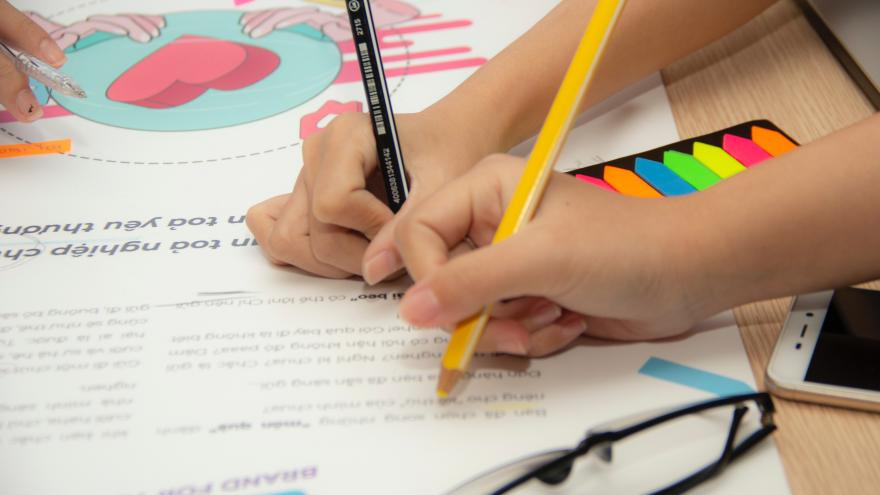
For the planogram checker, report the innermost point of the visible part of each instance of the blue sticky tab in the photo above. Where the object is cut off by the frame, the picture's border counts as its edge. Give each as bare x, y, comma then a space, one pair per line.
664, 180
694, 378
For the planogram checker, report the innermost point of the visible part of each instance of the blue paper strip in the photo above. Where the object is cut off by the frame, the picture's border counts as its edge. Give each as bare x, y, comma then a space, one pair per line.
693, 377
664, 180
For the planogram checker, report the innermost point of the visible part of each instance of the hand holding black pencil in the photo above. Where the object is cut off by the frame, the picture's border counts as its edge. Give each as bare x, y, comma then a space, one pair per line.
366, 46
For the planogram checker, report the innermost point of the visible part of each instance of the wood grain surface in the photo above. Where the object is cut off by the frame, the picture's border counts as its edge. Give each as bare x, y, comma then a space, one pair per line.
777, 68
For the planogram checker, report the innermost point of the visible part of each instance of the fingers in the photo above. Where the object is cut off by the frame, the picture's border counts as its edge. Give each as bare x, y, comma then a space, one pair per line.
336, 246
20, 32
24, 34
381, 259
337, 163
280, 226
545, 329
344, 214
261, 219
469, 207
557, 336
449, 290
15, 95
465, 285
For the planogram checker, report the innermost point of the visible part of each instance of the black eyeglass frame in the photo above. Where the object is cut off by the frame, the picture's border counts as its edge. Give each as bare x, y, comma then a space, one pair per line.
557, 470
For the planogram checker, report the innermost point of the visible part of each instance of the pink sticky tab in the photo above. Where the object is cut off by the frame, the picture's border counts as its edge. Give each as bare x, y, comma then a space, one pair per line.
596, 182
744, 150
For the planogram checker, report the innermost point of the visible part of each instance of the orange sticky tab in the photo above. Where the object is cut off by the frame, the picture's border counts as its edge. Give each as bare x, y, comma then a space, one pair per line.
628, 183
772, 142
27, 149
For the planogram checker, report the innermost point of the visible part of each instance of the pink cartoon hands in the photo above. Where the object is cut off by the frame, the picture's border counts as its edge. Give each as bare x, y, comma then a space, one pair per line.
259, 23
140, 28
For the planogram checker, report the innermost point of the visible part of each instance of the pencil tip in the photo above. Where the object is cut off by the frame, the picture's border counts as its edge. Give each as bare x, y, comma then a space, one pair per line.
447, 381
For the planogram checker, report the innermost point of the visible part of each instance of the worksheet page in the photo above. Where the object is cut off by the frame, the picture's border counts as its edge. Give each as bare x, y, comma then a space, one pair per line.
147, 347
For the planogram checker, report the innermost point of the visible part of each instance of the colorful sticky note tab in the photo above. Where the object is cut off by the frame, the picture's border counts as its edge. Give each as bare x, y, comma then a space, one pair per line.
773, 142
694, 377
661, 178
596, 182
629, 183
744, 150
717, 160
688, 168
41, 148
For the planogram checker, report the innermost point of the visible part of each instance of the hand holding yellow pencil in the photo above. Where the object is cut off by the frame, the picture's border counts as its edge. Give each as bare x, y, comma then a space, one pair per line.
530, 188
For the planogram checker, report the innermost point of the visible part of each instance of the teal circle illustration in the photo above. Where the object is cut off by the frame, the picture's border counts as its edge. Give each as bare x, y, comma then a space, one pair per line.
201, 72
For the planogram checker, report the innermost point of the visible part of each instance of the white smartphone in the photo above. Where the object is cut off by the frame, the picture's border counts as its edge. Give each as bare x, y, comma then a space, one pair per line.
829, 350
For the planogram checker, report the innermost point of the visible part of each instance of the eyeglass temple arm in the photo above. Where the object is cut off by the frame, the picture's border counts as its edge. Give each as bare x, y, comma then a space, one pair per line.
728, 455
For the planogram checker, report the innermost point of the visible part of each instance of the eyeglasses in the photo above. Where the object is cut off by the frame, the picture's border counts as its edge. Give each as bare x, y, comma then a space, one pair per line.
664, 453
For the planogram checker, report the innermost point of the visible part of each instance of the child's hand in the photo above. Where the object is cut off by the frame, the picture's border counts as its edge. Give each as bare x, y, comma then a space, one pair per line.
18, 31
620, 266
326, 223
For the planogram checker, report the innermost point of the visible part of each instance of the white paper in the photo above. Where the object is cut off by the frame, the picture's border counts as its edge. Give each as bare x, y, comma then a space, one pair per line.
147, 347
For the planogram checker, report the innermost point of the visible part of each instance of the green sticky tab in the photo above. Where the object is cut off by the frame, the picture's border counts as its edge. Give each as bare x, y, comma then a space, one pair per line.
688, 168
717, 160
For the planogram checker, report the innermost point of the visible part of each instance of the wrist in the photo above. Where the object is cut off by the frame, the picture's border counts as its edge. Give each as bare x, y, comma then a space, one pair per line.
458, 141
696, 253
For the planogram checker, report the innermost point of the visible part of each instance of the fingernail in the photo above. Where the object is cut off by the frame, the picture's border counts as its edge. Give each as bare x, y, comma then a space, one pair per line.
380, 266
514, 347
573, 326
51, 53
28, 106
420, 306
542, 315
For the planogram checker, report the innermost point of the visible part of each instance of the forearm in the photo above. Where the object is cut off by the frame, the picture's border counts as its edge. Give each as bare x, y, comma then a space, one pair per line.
805, 221
506, 101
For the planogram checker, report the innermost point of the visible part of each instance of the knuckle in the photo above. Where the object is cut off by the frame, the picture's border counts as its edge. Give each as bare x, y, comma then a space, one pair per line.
327, 208
279, 242
252, 217
324, 249
404, 231
311, 146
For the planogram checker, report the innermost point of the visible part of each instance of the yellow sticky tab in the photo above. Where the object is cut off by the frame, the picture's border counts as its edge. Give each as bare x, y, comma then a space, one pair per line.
717, 160
27, 149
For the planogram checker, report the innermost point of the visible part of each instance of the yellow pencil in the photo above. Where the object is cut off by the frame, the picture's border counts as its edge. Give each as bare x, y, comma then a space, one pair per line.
531, 185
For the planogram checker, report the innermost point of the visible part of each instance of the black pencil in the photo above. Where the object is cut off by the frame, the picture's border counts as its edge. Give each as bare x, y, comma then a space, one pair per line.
366, 46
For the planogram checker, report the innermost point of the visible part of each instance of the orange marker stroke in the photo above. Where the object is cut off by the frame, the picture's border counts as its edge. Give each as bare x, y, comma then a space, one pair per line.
28, 149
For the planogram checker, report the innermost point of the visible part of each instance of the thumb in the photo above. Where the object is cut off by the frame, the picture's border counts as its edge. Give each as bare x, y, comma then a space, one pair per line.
460, 288
381, 258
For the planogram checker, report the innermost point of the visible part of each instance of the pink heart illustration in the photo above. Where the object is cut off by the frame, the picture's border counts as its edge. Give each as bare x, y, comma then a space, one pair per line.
186, 68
